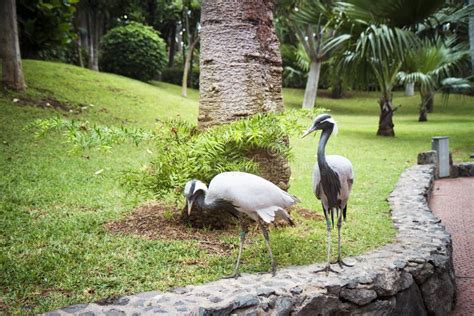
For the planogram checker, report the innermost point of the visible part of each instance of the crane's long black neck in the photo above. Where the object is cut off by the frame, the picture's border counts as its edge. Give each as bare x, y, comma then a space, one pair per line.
216, 205
329, 178
322, 149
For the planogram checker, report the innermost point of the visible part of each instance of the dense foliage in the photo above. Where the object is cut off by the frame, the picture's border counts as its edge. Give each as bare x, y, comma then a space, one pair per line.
184, 152
133, 50
46, 28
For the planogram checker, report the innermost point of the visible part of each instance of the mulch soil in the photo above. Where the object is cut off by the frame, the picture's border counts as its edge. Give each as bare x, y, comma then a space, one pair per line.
155, 220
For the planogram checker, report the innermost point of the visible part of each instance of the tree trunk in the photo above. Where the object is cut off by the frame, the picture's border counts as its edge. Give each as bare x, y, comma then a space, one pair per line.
93, 36
12, 70
311, 91
241, 71
426, 100
471, 37
172, 46
386, 117
410, 89
187, 66
430, 101
337, 90
241, 66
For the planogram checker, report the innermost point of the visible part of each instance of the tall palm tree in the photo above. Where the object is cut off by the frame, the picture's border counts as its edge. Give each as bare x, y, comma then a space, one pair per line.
318, 39
391, 29
377, 56
430, 63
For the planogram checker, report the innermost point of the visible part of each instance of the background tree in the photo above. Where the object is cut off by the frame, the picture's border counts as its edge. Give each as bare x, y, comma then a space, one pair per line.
429, 64
387, 32
46, 29
191, 17
12, 71
318, 38
93, 19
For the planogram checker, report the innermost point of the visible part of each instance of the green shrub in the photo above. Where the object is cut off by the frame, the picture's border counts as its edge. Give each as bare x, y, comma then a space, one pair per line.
182, 151
133, 50
185, 153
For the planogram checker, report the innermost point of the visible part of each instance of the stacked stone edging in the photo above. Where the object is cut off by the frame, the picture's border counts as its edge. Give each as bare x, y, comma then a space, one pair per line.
465, 169
414, 275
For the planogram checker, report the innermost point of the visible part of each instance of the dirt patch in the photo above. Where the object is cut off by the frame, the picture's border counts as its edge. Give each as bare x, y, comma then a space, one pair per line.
307, 213
155, 220
158, 221
44, 103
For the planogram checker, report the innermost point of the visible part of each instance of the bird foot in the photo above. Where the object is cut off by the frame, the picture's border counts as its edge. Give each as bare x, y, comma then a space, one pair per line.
234, 275
326, 269
343, 264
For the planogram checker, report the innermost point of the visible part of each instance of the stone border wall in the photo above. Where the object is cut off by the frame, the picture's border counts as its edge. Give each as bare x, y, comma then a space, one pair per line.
414, 275
465, 169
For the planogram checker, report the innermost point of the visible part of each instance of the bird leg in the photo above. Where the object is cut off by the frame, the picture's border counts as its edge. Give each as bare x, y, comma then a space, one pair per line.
327, 268
243, 233
264, 229
339, 258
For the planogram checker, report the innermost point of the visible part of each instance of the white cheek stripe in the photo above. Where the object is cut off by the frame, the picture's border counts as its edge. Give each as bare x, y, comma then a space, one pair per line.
331, 120
200, 186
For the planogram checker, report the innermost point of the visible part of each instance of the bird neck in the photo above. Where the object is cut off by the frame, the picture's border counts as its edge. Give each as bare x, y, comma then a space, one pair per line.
322, 148
200, 200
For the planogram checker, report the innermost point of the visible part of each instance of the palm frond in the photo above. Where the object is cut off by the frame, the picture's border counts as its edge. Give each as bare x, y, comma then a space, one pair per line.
432, 61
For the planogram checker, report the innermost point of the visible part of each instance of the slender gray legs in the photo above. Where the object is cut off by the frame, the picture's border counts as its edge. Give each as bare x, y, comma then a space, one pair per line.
327, 268
243, 233
264, 230
339, 258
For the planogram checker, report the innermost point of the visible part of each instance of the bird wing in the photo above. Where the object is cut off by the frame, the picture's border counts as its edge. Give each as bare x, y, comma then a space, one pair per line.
250, 194
343, 167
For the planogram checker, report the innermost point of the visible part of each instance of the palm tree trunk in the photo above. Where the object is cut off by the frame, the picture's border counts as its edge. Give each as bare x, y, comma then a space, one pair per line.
426, 100
240, 64
311, 91
241, 71
386, 116
12, 70
430, 101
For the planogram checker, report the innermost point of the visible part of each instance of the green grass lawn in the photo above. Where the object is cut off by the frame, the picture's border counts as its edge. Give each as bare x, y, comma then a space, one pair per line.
53, 203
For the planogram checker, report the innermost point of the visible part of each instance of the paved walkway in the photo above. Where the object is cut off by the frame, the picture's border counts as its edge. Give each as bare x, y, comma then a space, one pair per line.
453, 202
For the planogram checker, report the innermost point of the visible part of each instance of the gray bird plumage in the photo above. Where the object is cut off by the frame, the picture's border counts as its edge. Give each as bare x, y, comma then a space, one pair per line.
333, 177
242, 193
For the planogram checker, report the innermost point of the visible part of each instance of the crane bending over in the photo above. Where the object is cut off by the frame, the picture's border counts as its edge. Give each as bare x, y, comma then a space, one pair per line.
242, 193
332, 183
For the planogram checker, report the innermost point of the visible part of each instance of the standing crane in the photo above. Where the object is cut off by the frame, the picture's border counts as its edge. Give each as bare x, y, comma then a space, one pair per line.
332, 183
242, 193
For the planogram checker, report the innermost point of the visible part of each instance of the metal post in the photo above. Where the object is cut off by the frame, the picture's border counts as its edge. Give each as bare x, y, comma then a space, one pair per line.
441, 145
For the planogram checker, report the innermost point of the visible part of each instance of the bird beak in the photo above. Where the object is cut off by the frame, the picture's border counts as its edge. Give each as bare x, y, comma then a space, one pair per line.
309, 131
190, 206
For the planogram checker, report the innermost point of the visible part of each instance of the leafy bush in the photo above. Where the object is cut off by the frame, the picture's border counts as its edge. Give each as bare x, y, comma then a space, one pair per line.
183, 151
85, 136
186, 153
133, 50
